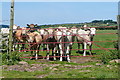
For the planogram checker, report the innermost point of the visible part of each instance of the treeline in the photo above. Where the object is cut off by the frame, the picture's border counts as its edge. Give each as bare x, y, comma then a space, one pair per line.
94, 23
104, 21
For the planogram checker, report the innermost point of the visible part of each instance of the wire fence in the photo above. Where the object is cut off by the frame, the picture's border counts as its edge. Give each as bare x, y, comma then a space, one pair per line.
93, 42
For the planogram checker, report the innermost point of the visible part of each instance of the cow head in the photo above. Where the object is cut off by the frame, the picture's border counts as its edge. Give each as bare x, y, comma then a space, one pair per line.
93, 31
74, 30
31, 37
50, 32
32, 25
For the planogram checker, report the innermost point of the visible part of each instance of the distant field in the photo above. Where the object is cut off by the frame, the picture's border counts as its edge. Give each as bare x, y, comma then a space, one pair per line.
77, 68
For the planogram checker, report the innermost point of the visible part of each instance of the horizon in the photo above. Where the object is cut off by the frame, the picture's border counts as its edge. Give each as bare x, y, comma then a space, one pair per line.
61, 23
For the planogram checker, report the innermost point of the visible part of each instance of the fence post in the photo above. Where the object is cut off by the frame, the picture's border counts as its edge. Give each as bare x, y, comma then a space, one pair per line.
11, 26
118, 21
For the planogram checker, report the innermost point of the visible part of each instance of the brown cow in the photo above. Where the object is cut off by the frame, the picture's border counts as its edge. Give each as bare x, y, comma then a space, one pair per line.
36, 39
20, 37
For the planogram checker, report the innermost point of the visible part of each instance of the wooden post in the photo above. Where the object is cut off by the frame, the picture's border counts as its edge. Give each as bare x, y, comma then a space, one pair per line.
11, 26
118, 21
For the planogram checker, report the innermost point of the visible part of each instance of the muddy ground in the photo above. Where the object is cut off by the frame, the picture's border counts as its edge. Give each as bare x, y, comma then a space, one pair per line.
40, 67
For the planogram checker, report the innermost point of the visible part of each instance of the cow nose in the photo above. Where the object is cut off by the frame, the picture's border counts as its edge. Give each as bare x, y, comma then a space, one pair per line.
92, 34
42, 36
24, 35
50, 36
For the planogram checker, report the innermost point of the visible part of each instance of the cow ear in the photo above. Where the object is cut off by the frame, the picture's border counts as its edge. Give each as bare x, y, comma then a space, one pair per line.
55, 29
36, 34
69, 28
45, 29
28, 25
59, 29
36, 25
18, 27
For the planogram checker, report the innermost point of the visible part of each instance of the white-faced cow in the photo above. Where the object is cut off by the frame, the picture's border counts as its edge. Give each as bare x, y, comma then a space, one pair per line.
85, 37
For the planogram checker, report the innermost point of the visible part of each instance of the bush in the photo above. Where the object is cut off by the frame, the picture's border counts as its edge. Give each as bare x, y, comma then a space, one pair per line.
12, 59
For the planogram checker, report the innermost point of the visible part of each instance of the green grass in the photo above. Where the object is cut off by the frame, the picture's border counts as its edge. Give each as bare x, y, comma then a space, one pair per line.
64, 72
101, 71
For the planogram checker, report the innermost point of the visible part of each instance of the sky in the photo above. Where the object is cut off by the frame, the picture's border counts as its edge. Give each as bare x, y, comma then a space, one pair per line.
58, 12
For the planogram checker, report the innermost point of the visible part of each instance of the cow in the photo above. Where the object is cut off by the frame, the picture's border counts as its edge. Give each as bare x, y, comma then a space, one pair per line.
85, 37
62, 35
19, 35
73, 30
51, 43
35, 39
44, 34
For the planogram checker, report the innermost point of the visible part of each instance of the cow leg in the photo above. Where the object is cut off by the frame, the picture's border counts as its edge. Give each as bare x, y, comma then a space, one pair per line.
36, 56
61, 52
90, 49
19, 48
31, 48
37, 52
67, 52
58, 50
23, 47
70, 49
54, 52
43, 46
14, 44
48, 51
78, 47
85, 45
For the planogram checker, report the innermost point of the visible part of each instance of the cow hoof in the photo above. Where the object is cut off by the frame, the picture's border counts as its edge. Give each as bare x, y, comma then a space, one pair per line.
77, 51
60, 60
54, 59
69, 61
47, 58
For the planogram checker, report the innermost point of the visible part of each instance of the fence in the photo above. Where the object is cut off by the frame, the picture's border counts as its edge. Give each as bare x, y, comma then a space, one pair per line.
93, 42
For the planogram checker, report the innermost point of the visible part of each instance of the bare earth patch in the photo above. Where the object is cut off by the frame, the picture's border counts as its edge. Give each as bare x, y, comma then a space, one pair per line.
27, 68
78, 67
83, 60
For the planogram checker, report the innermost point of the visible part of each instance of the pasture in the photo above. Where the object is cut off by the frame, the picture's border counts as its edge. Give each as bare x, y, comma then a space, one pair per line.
79, 67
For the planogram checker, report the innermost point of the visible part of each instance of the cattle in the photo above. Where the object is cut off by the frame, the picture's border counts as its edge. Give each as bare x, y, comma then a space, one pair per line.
51, 43
44, 34
5, 30
19, 37
59, 40
85, 37
4, 35
73, 30
32, 27
35, 39
62, 35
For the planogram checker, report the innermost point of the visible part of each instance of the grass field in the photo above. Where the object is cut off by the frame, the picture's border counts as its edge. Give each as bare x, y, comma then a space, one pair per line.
77, 68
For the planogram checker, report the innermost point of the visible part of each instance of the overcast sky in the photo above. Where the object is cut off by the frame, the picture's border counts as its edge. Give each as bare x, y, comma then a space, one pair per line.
59, 12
